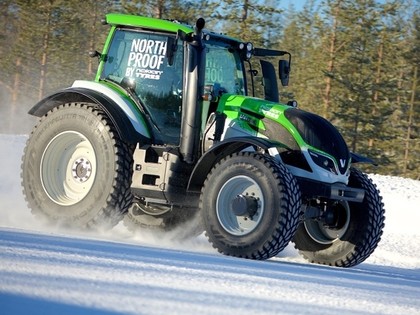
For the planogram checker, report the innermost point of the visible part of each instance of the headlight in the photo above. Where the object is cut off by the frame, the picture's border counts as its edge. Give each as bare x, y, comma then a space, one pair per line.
246, 50
323, 161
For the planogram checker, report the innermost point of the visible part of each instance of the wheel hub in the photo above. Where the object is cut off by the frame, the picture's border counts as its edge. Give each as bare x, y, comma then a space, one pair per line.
335, 218
244, 205
82, 169
240, 205
68, 168
331, 226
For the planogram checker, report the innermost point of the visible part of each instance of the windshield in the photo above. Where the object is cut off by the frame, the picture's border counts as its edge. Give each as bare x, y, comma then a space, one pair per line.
141, 56
224, 68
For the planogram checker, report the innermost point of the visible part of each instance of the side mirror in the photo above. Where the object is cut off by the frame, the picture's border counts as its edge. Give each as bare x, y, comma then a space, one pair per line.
95, 53
284, 70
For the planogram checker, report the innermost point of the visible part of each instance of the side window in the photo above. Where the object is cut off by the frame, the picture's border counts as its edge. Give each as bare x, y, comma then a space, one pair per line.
224, 69
142, 57
255, 82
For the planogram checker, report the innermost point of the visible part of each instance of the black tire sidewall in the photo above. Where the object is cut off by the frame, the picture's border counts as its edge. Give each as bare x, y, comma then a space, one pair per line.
86, 122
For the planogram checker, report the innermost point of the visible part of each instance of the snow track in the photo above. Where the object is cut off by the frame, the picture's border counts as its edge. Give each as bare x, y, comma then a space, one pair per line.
78, 274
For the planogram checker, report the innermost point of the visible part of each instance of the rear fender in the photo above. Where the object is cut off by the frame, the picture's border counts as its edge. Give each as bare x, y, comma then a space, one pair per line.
129, 123
221, 150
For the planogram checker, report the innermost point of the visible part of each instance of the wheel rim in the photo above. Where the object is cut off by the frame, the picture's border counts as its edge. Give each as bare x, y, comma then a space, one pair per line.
324, 234
243, 224
68, 168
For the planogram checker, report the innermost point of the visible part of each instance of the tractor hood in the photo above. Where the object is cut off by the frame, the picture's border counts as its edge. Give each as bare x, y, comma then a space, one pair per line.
321, 143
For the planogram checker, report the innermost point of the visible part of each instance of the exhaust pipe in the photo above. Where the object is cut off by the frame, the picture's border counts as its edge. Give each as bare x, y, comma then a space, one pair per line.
192, 102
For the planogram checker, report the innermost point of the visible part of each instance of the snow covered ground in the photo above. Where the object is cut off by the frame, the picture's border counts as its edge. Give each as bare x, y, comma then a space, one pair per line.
47, 271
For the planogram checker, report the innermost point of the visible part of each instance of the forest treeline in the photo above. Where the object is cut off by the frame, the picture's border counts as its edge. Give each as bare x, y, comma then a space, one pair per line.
355, 62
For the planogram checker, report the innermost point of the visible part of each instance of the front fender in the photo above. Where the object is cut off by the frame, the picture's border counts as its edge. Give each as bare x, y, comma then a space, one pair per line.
129, 123
221, 150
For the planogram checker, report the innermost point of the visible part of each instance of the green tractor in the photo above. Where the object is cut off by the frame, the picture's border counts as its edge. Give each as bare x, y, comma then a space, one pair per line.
170, 136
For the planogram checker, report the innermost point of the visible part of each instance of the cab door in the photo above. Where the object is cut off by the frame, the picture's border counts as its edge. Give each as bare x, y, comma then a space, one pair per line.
142, 57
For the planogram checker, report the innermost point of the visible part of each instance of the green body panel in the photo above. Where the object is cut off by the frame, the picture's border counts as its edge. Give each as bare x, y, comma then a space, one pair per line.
251, 113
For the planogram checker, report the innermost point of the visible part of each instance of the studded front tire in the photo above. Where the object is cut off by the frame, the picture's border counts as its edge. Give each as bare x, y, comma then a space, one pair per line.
250, 206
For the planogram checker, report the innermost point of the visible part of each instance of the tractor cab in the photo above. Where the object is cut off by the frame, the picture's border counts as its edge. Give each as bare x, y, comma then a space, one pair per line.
154, 67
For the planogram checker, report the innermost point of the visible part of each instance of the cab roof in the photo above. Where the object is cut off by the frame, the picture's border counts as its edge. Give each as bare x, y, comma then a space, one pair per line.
149, 23
146, 22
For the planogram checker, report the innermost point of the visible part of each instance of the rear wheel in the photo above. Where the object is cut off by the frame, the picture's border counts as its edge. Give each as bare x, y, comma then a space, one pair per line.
250, 206
350, 232
76, 170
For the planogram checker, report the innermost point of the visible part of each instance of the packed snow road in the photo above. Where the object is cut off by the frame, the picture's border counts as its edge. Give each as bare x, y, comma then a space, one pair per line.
70, 275
45, 270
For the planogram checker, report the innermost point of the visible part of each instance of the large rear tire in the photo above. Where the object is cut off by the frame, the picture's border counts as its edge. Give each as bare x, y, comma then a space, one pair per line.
250, 206
356, 237
76, 171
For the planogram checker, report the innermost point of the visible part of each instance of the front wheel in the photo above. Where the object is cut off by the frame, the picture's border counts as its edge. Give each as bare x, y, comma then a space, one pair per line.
250, 206
76, 171
349, 234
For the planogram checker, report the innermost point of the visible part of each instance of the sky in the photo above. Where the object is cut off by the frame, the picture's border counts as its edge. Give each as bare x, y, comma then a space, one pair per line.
298, 4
